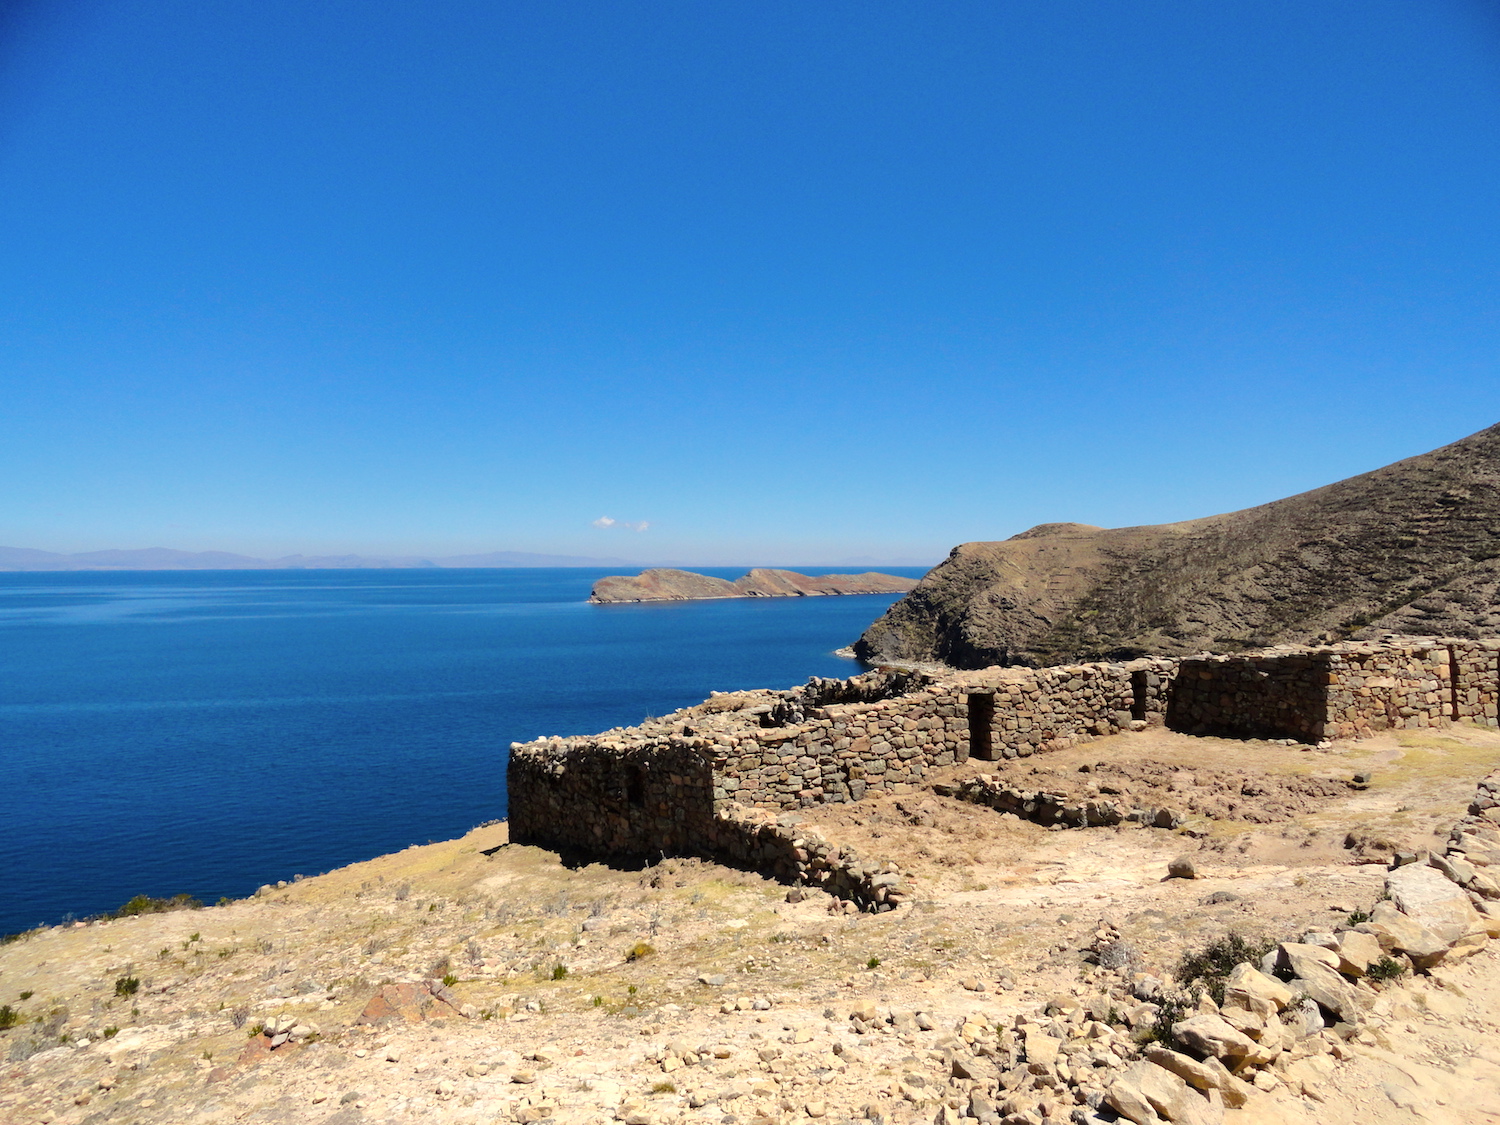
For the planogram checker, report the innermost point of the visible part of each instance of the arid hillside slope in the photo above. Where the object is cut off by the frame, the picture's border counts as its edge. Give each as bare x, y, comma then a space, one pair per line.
1413, 547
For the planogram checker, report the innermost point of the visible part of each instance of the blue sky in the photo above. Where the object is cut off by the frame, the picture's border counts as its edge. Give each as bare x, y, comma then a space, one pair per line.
786, 282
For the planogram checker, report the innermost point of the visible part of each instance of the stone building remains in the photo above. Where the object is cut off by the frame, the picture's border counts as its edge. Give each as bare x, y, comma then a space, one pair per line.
720, 778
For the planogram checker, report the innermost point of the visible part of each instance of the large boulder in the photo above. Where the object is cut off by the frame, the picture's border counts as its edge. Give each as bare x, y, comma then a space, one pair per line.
1248, 984
1426, 896
1210, 1074
1147, 1093
1399, 934
1213, 1037
1357, 952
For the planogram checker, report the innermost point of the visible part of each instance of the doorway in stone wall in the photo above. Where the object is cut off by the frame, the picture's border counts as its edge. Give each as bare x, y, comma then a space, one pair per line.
1138, 693
981, 726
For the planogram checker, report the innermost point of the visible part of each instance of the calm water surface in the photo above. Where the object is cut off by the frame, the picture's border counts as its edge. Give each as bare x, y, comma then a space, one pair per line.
206, 732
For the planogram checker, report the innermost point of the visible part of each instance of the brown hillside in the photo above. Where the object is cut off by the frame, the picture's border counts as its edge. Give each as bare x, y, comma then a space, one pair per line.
1413, 547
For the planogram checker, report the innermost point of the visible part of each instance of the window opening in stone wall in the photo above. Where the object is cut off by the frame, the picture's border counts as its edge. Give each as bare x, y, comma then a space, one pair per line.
981, 725
635, 786
1138, 695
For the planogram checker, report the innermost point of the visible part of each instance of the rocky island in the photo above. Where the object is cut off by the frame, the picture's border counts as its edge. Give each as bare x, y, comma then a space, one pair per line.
664, 584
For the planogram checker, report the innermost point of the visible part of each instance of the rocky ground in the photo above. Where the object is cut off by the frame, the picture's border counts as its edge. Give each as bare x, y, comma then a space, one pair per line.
476, 981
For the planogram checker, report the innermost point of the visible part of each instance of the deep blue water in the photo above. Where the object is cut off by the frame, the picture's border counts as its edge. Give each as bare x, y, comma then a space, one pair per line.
206, 732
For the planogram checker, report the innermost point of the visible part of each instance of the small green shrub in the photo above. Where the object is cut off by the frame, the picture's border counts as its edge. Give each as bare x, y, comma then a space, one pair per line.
1216, 960
450, 979
1173, 1009
639, 951
9, 1017
630, 989
1357, 917
559, 971
1386, 969
598, 1001
664, 1088
145, 904
873, 963
111, 1032
27, 995
127, 986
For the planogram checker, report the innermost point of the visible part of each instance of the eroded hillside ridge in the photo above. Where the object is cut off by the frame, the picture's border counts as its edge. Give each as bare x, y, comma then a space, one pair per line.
683, 784
1411, 548
663, 584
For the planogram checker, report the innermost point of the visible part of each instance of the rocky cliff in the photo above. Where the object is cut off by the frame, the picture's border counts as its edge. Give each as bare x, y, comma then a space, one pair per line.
666, 585
1413, 548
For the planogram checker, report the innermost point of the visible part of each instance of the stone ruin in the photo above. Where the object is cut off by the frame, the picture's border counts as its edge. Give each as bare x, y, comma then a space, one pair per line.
724, 778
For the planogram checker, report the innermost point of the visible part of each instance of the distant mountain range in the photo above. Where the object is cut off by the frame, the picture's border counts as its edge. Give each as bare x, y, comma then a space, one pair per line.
164, 558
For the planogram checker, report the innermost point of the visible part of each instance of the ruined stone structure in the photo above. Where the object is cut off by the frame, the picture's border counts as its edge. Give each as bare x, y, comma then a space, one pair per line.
1340, 691
692, 782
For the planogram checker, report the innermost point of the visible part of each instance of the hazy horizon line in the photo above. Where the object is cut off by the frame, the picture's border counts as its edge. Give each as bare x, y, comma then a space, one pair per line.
30, 559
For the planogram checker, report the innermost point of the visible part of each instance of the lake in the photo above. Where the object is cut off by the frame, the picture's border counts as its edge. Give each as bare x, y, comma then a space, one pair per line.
209, 731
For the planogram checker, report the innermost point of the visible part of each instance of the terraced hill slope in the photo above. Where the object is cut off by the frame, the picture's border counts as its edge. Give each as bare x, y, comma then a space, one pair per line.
1413, 547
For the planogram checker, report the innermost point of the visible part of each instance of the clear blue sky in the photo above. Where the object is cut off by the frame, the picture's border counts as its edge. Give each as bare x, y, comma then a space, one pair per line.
788, 282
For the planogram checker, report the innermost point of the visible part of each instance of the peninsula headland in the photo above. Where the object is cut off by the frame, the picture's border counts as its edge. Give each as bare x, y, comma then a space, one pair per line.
1408, 548
667, 585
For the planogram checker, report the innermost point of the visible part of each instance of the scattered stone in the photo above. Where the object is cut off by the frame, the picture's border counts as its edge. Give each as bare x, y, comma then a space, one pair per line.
1182, 867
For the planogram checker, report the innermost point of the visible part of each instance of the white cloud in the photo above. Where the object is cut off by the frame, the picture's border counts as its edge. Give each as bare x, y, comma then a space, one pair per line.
624, 525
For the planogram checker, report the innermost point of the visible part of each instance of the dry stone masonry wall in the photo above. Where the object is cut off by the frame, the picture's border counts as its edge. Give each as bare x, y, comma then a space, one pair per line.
1339, 691
689, 783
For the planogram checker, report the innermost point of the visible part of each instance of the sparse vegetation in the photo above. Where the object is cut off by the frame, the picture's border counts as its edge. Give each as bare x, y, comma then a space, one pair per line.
559, 971
9, 1017
145, 904
1386, 969
127, 986
664, 1088
873, 963
639, 951
1172, 1009
1210, 965
450, 979
1358, 917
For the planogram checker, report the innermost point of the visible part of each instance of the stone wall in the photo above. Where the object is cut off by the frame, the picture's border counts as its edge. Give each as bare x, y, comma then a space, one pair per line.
1338, 691
672, 785
1260, 695
613, 796
657, 788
